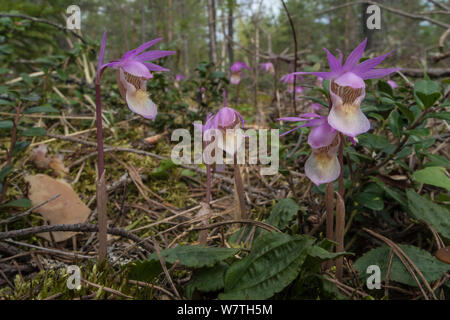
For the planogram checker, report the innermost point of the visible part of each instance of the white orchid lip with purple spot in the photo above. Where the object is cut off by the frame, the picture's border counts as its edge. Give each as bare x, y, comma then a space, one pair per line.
133, 71
347, 88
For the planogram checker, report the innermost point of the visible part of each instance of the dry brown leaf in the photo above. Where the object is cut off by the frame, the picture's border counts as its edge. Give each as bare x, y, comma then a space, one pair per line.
58, 166
39, 156
154, 139
66, 209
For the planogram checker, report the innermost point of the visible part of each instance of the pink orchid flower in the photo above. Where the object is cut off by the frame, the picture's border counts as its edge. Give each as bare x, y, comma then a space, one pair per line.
347, 88
236, 71
322, 166
132, 74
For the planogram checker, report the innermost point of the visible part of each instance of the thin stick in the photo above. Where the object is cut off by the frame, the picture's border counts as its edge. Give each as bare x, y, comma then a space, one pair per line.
260, 224
295, 53
29, 211
239, 190
79, 227
101, 187
340, 226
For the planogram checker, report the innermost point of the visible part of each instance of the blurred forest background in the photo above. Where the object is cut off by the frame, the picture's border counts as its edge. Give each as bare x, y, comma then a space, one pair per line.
224, 31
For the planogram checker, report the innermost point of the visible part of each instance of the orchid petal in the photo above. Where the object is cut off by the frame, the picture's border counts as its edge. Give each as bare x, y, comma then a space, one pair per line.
322, 168
139, 102
142, 48
101, 56
292, 119
369, 64
154, 67
348, 119
324, 75
137, 69
355, 56
153, 55
378, 73
335, 64
321, 136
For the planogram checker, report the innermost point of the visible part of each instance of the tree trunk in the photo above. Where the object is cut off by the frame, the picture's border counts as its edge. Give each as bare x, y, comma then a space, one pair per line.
230, 32
170, 21
212, 31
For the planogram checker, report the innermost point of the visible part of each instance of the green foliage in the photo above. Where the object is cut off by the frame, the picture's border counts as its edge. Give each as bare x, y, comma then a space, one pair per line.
431, 268
282, 213
423, 209
273, 263
426, 92
435, 176
207, 279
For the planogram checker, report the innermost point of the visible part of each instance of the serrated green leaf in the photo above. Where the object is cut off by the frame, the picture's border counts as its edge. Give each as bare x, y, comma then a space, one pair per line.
431, 267
282, 213
423, 209
321, 253
207, 279
273, 263
435, 176
195, 256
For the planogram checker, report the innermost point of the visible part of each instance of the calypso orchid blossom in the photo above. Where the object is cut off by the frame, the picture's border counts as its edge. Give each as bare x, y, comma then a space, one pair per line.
178, 78
133, 71
392, 83
322, 166
236, 71
347, 88
288, 79
268, 67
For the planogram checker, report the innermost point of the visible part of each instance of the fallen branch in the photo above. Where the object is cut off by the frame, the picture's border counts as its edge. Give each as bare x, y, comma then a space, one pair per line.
79, 227
40, 20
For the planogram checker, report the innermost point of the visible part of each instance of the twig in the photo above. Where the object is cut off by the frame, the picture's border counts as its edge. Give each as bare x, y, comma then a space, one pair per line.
79, 227
40, 20
115, 292
260, 224
29, 211
150, 285
295, 53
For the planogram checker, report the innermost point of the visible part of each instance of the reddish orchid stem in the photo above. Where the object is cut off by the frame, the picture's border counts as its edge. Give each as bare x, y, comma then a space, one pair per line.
340, 211
98, 114
208, 184
237, 93
101, 186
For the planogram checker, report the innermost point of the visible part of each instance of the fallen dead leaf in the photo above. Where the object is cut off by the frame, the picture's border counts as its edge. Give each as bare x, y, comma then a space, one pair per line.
57, 164
154, 139
39, 156
66, 209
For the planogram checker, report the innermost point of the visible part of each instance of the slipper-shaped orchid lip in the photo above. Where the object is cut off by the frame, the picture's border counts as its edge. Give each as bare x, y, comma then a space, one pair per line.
322, 166
345, 114
137, 97
235, 77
